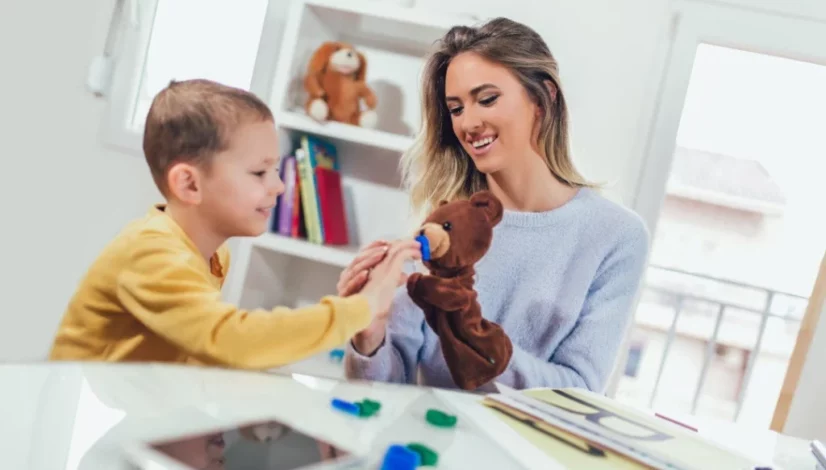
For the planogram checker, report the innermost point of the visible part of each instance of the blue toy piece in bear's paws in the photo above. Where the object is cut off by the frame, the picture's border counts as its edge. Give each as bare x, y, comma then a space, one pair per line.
425, 247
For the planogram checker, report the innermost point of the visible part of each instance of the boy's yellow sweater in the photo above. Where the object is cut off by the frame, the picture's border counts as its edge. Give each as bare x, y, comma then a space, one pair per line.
151, 296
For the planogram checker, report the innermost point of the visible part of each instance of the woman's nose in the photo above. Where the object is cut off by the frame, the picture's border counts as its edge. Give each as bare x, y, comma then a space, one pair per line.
470, 123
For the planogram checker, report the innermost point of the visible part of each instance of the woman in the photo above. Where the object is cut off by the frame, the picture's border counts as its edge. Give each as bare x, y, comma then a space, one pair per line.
565, 263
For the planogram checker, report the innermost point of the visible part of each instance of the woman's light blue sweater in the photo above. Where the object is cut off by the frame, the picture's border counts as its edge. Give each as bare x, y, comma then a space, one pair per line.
562, 285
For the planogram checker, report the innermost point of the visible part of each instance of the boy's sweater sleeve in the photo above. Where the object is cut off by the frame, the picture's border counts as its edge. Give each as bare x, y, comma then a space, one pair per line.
171, 293
397, 359
585, 358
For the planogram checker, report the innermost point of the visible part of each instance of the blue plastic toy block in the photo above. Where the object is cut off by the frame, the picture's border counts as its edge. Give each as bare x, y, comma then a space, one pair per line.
337, 354
425, 243
346, 406
399, 457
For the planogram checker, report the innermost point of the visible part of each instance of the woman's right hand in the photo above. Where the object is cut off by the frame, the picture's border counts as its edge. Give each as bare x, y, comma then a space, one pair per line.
356, 279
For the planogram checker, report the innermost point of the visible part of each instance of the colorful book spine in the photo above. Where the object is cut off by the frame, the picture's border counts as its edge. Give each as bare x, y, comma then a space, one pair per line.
321, 154
324, 163
297, 230
312, 205
287, 200
309, 199
331, 201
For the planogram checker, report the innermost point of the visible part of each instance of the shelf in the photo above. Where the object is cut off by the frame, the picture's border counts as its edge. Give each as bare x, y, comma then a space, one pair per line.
394, 41
326, 254
343, 132
391, 15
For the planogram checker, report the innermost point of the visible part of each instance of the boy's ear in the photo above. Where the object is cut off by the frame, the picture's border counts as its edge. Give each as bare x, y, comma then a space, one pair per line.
183, 181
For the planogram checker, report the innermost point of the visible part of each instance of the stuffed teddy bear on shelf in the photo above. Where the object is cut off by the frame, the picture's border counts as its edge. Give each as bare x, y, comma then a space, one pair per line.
335, 83
454, 237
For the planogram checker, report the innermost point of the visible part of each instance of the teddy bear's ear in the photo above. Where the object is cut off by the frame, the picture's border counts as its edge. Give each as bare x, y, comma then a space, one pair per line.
490, 204
321, 57
361, 72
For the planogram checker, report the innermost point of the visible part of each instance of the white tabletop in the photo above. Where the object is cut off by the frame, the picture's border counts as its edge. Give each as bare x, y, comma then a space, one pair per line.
78, 416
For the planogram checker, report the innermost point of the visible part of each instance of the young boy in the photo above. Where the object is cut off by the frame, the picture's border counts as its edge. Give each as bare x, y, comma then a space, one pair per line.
153, 294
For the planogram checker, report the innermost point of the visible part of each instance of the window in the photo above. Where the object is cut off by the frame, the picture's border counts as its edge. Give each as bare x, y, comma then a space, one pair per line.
182, 39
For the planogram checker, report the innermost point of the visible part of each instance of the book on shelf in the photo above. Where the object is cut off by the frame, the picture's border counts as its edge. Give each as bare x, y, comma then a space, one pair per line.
282, 220
312, 206
582, 429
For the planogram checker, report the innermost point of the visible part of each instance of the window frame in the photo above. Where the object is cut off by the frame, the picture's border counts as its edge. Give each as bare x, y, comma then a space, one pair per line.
130, 58
792, 31
695, 23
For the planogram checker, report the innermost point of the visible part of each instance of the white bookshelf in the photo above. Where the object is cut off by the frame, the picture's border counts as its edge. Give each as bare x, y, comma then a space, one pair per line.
276, 270
299, 122
324, 254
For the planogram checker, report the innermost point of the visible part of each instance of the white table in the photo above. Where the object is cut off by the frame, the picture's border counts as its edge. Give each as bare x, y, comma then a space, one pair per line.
76, 416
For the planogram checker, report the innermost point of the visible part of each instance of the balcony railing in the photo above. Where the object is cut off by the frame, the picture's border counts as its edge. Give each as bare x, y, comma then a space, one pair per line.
711, 300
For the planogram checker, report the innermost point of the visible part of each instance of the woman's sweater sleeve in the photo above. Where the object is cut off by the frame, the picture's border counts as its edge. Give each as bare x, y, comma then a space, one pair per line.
397, 359
585, 358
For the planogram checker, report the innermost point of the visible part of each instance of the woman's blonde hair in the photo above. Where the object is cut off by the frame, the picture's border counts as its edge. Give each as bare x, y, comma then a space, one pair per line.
436, 167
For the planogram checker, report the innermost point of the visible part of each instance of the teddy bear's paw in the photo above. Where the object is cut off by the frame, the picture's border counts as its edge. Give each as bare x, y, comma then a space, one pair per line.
318, 110
412, 283
368, 119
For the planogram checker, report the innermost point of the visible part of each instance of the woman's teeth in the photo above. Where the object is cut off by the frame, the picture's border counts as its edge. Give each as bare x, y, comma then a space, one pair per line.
482, 142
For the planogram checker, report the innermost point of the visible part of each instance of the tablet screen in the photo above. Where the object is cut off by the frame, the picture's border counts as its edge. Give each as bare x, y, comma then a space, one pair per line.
260, 446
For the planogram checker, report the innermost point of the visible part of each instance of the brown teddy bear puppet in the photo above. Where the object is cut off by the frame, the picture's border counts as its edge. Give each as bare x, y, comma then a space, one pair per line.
335, 83
454, 237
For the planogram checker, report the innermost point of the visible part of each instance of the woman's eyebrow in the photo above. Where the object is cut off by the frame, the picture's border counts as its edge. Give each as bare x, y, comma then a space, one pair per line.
475, 91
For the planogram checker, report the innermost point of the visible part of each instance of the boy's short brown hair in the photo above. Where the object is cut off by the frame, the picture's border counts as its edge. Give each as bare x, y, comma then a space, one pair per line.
192, 120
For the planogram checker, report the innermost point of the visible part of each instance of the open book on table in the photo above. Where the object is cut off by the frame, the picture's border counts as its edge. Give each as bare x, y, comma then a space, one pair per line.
582, 429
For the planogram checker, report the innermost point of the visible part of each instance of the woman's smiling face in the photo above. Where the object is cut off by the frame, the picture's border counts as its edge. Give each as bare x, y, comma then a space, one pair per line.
492, 114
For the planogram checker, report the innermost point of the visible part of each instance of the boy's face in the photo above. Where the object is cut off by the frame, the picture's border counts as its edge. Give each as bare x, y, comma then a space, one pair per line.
241, 187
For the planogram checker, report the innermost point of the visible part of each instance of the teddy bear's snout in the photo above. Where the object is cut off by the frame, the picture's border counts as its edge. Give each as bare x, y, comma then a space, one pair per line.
345, 60
438, 239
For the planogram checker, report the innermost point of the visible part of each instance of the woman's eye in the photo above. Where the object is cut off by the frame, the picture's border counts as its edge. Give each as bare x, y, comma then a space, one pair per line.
259, 173
487, 101
447, 226
455, 111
